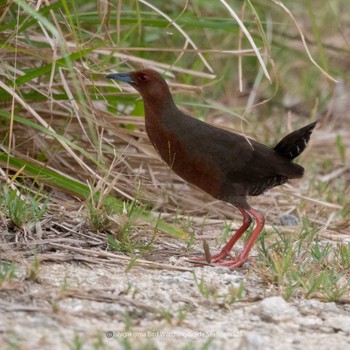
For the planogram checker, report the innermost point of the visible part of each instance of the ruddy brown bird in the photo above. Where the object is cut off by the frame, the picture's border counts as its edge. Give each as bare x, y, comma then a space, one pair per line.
226, 165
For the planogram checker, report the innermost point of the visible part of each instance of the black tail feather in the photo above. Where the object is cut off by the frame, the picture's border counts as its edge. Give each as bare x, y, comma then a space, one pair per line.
292, 145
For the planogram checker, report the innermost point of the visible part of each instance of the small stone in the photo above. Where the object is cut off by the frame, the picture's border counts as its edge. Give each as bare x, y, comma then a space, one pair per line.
251, 341
310, 321
255, 318
289, 220
210, 317
276, 309
316, 307
230, 278
339, 323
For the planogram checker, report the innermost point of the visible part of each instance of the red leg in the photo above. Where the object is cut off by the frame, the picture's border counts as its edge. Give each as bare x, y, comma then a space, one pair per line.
225, 252
243, 257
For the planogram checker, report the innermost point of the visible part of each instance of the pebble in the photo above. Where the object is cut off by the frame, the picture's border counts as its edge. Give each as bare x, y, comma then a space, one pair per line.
289, 220
251, 341
276, 309
316, 307
339, 323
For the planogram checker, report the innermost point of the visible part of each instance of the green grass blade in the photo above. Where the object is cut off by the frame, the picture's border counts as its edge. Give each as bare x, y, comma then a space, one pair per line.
41, 173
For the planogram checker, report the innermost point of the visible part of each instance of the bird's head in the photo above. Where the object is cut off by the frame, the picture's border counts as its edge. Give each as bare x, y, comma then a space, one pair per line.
149, 83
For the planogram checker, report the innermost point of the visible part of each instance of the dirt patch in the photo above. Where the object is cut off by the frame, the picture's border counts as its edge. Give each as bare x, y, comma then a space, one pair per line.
165, 303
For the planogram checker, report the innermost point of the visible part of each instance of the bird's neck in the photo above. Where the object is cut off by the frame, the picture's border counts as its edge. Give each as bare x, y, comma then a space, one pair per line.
160, 110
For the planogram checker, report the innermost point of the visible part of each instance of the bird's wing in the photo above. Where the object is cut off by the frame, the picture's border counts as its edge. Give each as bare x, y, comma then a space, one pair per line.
230, 152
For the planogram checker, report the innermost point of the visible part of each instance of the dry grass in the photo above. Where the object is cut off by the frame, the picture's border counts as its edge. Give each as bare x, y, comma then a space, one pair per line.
58, 113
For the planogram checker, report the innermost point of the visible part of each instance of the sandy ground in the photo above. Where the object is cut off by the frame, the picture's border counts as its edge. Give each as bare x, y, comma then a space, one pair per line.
77, 303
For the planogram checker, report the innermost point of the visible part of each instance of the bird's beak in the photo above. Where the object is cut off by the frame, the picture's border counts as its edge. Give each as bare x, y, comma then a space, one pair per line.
125, 77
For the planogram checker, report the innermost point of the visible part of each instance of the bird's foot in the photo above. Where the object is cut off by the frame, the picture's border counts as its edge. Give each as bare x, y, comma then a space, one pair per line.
215, 259
199, 261
220, 259
231, 264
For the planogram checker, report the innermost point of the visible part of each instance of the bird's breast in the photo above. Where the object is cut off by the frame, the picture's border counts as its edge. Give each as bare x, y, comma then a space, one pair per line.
182, 160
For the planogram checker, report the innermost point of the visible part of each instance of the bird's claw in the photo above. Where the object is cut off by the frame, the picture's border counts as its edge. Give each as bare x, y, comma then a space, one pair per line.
219, 260
231, 264
213, 259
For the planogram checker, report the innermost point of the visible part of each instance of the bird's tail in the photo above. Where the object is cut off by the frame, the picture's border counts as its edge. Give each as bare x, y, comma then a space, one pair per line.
292, 145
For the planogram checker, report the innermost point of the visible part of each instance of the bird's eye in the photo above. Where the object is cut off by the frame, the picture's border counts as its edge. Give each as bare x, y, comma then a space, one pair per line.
143, 78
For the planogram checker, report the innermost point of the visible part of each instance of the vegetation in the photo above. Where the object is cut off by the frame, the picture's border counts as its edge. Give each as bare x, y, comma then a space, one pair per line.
76, 162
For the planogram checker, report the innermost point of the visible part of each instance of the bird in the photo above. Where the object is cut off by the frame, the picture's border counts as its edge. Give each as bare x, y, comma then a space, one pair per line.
228, 166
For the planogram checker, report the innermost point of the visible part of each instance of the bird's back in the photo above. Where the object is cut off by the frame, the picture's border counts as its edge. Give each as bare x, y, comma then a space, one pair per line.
218, 161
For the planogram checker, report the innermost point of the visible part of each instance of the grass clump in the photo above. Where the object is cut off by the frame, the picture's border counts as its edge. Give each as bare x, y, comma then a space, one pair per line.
305, 266
127, 238
24, 211
7, 272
